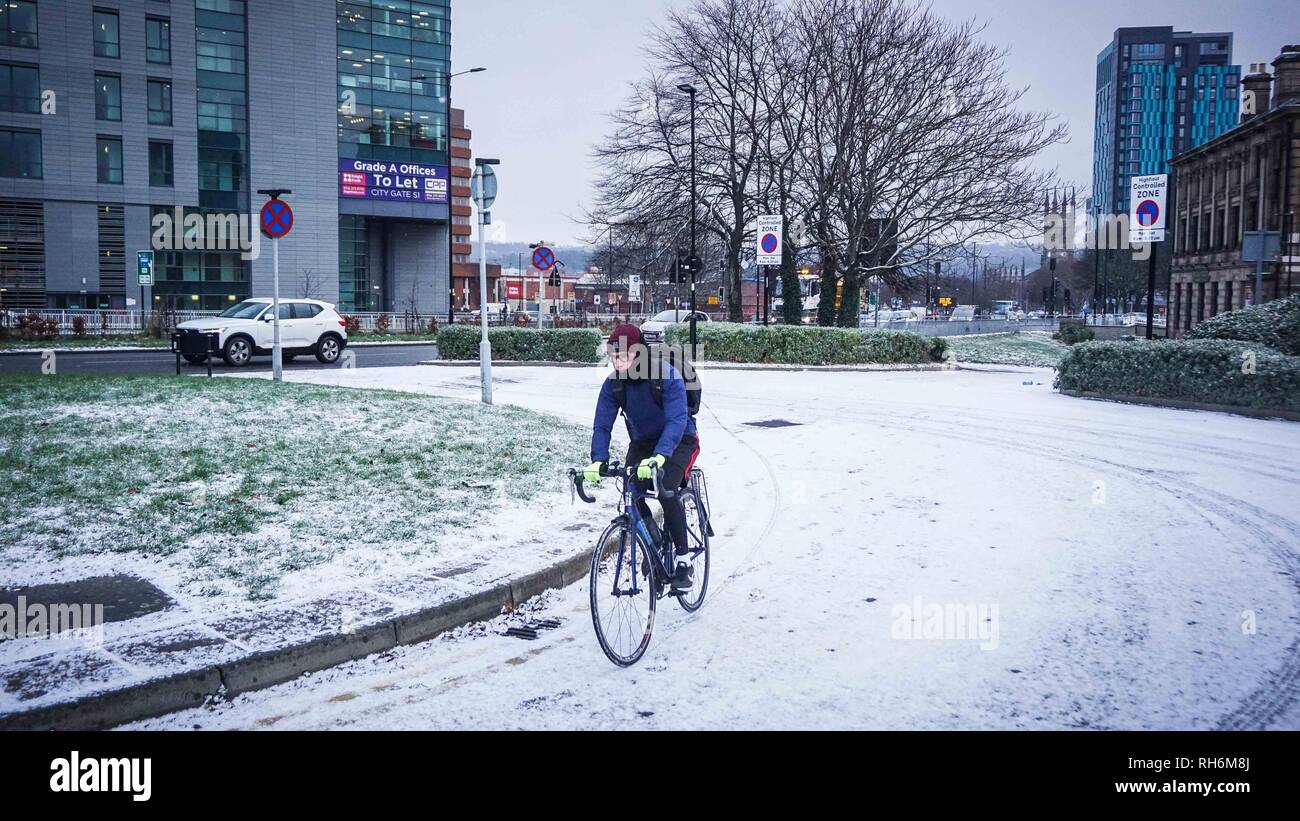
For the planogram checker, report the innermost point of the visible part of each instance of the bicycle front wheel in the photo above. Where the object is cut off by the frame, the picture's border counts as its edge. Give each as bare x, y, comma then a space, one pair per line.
623, 594
697, 540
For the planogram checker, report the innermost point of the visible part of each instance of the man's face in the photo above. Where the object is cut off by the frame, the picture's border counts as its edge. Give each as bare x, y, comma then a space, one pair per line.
622, 357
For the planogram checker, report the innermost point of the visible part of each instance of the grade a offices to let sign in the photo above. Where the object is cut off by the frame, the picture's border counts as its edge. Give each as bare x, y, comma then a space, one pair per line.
393, 181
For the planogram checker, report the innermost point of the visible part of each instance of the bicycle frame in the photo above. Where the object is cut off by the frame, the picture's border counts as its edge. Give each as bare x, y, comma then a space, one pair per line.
630, 495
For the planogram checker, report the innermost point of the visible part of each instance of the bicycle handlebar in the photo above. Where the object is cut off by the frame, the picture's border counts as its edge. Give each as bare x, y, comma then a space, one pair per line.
611, 470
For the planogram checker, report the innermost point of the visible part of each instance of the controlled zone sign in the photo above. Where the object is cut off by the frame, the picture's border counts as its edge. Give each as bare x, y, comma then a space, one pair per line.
1146, 219
768, 236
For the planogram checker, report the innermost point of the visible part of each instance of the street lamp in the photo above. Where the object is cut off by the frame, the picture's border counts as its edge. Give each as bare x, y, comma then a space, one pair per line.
451, 279
484, 345
687, 88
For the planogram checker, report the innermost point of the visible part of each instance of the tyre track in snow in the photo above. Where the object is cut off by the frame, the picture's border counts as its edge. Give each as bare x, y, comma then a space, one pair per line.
1279, 691
755, 544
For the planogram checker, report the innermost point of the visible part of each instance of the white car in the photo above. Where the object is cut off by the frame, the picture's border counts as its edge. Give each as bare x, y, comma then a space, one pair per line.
307, 326
654, 328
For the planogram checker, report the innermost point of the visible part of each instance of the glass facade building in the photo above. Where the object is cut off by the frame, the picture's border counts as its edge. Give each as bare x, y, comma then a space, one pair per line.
117, 116
1159, 93
394, 58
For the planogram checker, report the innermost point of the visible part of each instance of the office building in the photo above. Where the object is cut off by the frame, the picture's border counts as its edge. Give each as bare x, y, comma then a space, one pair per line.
1159, 93
116, 114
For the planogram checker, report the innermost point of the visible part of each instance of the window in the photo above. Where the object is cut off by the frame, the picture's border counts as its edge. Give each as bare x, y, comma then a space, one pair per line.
304, 310
106, 39
160, 163
108, 97
18, 24
158, 40
20, 89
20, 154
108, 159
160, 102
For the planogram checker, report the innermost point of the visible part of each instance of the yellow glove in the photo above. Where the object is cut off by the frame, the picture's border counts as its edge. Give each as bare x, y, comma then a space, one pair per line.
647, 468
591, 473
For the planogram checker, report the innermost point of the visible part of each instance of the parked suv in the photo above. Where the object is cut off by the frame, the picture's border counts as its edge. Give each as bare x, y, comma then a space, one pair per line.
307, 326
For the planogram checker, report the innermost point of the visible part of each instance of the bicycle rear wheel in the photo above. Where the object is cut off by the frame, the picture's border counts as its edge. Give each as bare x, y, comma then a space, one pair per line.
697, 538
623, 593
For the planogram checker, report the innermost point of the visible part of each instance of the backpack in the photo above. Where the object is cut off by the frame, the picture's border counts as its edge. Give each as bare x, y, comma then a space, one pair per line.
694, 390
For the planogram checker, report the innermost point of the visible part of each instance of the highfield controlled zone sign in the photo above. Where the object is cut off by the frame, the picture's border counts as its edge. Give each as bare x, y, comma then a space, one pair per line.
1146, 218
393, 181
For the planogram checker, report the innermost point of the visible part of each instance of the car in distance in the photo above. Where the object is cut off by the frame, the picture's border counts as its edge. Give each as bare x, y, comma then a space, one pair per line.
654, 328
307, 326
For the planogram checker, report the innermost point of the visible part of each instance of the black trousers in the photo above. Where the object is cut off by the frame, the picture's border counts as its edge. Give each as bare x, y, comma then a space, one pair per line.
675, 470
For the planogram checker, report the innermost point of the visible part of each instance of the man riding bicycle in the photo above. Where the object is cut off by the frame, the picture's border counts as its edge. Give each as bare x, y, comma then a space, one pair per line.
660, 428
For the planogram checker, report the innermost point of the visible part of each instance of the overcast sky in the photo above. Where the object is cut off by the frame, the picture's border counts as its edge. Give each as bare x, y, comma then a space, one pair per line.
555, 69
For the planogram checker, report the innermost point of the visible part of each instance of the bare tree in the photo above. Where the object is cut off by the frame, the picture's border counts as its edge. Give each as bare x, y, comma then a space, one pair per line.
723, 49
310, 286
916, 142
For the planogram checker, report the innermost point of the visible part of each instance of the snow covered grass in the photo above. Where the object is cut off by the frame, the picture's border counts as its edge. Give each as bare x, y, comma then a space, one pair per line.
1033, 349
240, 482
89, 341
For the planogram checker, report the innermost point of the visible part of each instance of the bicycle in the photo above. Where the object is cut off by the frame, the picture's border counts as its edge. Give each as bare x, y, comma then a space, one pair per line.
619, 577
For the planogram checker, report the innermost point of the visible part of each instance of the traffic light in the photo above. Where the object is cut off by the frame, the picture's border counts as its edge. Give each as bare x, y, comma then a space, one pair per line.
554, 280
938, 267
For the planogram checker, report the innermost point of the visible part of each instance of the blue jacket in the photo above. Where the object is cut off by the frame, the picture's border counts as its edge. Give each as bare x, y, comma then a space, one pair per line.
644, 418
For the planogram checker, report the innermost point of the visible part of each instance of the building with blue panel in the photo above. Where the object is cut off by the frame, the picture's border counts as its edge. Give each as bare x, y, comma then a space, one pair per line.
1159, 92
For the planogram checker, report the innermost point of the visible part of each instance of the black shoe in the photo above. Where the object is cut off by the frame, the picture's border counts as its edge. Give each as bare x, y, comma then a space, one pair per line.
682, 578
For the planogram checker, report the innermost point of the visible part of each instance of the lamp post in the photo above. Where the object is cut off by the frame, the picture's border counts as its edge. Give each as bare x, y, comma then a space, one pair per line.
690, 89
451, 280
484, 345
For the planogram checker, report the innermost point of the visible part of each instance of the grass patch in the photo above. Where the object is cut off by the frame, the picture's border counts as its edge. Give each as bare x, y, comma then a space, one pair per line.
88, 341
1032, 349
240, 481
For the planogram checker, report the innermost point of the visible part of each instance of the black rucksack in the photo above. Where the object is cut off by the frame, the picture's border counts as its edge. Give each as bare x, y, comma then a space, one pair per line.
694, 391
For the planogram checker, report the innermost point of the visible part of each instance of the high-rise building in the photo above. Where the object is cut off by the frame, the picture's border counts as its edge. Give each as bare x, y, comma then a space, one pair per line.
1159, 93
116, 115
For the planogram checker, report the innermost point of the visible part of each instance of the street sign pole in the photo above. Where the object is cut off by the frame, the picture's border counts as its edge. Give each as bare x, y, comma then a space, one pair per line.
1147, 195
277, 221
277, 354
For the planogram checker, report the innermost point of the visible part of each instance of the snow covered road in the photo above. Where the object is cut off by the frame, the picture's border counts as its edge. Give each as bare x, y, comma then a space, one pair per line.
920, 550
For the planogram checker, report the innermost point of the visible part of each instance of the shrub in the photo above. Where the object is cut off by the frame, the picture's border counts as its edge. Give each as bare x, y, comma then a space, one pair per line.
804, 345
1073, 331
382, 323
351, 324
522, 344
1213, 371
1275, 324
79, 325
32, 325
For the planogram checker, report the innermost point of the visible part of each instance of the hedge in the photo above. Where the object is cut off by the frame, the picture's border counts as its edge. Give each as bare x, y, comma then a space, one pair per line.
523, 344
808, 345
1213, 371
1275, 324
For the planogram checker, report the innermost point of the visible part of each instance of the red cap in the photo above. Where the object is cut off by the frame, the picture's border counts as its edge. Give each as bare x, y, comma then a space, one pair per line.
624, 337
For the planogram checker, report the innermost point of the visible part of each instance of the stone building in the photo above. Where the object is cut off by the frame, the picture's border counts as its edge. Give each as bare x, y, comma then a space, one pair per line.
1247, 179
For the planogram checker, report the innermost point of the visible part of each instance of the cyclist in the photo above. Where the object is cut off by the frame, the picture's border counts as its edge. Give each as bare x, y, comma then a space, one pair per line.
662, 434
